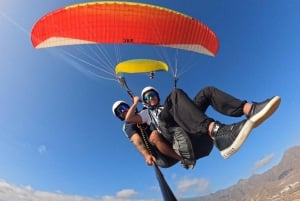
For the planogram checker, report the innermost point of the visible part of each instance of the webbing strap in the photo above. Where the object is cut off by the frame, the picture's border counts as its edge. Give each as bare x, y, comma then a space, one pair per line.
153, 119
145, 140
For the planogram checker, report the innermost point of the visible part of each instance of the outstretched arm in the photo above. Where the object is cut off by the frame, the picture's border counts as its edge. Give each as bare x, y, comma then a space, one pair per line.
131, 116
140, 146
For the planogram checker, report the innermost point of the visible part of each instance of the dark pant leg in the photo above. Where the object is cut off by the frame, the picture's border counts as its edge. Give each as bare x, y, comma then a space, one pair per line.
220, 101
185, 113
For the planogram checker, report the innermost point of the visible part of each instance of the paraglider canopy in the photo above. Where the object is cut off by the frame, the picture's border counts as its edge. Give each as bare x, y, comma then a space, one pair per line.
108, 26
141, 66
123, 22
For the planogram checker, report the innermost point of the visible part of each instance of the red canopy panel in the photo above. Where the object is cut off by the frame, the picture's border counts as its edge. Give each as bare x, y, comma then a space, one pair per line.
123, 22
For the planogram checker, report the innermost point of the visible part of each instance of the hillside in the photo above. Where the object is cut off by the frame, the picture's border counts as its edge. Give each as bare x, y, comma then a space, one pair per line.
281, 182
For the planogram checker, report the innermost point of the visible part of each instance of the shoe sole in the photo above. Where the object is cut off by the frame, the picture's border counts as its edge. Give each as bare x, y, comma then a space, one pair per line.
266, 112
253, 122
238, 142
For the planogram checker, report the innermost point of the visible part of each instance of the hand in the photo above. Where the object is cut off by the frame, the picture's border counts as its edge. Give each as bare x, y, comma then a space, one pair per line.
150, 160
136, 99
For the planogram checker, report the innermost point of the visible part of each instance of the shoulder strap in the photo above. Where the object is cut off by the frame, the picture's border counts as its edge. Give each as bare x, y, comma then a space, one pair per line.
152, 116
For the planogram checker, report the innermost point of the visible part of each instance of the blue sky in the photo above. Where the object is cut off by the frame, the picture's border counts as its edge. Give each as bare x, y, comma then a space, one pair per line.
59, 139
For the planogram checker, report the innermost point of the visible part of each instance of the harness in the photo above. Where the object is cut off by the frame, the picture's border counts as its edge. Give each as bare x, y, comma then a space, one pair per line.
153, 113
161, 160
181, 142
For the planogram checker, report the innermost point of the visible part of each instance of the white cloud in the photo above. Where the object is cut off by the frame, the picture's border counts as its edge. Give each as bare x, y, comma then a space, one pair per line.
9, 192
155, 188
263, 162
126, 193
123, 195
193, 185
42, 149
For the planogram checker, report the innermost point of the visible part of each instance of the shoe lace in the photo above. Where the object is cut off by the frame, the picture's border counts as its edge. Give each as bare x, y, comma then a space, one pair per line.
223, 130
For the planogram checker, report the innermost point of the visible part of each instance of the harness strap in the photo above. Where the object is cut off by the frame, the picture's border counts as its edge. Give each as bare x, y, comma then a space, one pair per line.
153, 119
145, 140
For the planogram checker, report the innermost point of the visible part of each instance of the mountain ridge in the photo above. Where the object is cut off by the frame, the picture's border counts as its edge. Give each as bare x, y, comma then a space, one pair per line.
281, 182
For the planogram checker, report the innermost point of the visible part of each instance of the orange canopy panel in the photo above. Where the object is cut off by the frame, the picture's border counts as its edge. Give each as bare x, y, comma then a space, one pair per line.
123, 22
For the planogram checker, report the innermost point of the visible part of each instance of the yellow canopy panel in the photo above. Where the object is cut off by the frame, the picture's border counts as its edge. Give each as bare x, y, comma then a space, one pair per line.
141, 66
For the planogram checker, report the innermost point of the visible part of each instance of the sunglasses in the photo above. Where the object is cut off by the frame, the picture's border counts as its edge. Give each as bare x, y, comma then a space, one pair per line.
150, 95
121, 109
